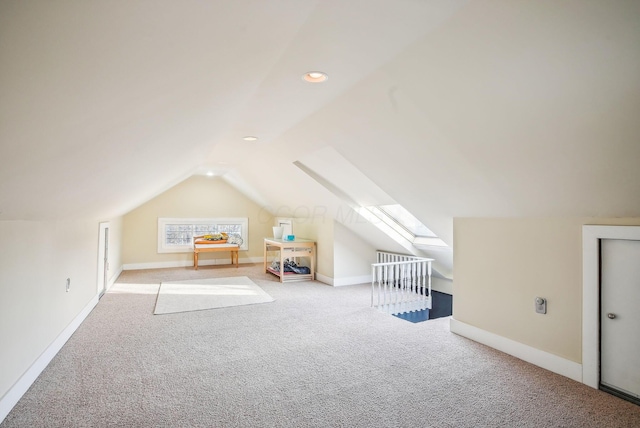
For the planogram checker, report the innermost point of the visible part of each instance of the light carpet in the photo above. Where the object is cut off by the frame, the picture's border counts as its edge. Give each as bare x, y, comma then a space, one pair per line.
211, 293
317, 357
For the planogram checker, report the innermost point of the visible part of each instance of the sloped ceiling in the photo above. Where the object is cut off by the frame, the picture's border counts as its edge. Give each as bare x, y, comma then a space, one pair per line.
104, 104
453, 108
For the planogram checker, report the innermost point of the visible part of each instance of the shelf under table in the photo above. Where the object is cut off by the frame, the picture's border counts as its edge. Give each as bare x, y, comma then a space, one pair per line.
291, 250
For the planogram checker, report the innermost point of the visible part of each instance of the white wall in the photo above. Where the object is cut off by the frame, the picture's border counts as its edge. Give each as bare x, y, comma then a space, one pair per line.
320, 229
501, 265
352, 257
115, 250
36, 258
442, 285
196, 197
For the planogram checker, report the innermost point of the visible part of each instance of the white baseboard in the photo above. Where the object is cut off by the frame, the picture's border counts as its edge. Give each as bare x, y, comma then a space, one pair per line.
324, 279
535, 356
11, 398
188, 263
352, 280
339, 282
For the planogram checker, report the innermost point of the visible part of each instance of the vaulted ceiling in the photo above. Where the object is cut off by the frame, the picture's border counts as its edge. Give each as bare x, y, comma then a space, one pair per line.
452, 108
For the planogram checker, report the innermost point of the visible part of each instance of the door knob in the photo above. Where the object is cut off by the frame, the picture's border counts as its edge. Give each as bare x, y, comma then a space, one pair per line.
611, 316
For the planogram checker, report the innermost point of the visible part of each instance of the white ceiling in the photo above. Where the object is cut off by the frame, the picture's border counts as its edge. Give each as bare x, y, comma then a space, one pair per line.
452, 108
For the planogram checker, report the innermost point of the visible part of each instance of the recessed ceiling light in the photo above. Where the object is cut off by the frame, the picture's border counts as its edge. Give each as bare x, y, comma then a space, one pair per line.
315, 77
210, 174
249, 138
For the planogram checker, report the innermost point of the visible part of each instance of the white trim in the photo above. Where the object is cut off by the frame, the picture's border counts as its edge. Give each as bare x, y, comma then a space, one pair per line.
11, 398
591, 236
189, 263
352, 280
102, 228
324, 279
527, 353
339, 282
161, 265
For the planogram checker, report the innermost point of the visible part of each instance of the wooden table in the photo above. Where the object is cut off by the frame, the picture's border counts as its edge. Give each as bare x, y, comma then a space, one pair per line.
211, 248
290, 250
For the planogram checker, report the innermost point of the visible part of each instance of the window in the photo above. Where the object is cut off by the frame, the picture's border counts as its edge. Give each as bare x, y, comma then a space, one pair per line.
405, 219
340, 177
175, 235
399, 220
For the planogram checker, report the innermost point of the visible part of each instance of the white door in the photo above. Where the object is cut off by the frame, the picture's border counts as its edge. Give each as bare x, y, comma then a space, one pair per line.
103, 258
620, 316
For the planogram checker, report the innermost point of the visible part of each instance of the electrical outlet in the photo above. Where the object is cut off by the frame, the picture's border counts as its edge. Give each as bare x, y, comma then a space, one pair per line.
68, 284
541, 305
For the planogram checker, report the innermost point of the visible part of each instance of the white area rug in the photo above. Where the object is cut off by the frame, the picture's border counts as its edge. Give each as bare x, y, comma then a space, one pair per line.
201, 294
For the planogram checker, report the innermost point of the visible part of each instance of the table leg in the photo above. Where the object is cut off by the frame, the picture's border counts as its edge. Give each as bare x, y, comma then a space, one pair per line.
265, 257
195, 260
313, 262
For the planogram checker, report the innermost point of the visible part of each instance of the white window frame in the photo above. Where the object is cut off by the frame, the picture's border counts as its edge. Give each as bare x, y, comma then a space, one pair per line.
390, 225
164, 221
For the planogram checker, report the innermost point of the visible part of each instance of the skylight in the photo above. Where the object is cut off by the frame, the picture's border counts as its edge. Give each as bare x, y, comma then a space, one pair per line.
407, 220
403, 223
335, 173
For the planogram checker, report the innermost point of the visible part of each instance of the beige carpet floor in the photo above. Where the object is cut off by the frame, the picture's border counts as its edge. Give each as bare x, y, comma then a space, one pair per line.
317, 356
209, 293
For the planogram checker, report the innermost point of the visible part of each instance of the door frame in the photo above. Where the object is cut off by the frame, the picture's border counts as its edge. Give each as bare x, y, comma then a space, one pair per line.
101, 277
591, 236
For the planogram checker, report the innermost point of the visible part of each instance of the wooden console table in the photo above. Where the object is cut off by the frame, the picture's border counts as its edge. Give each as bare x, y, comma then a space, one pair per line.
291, 250
211, 248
